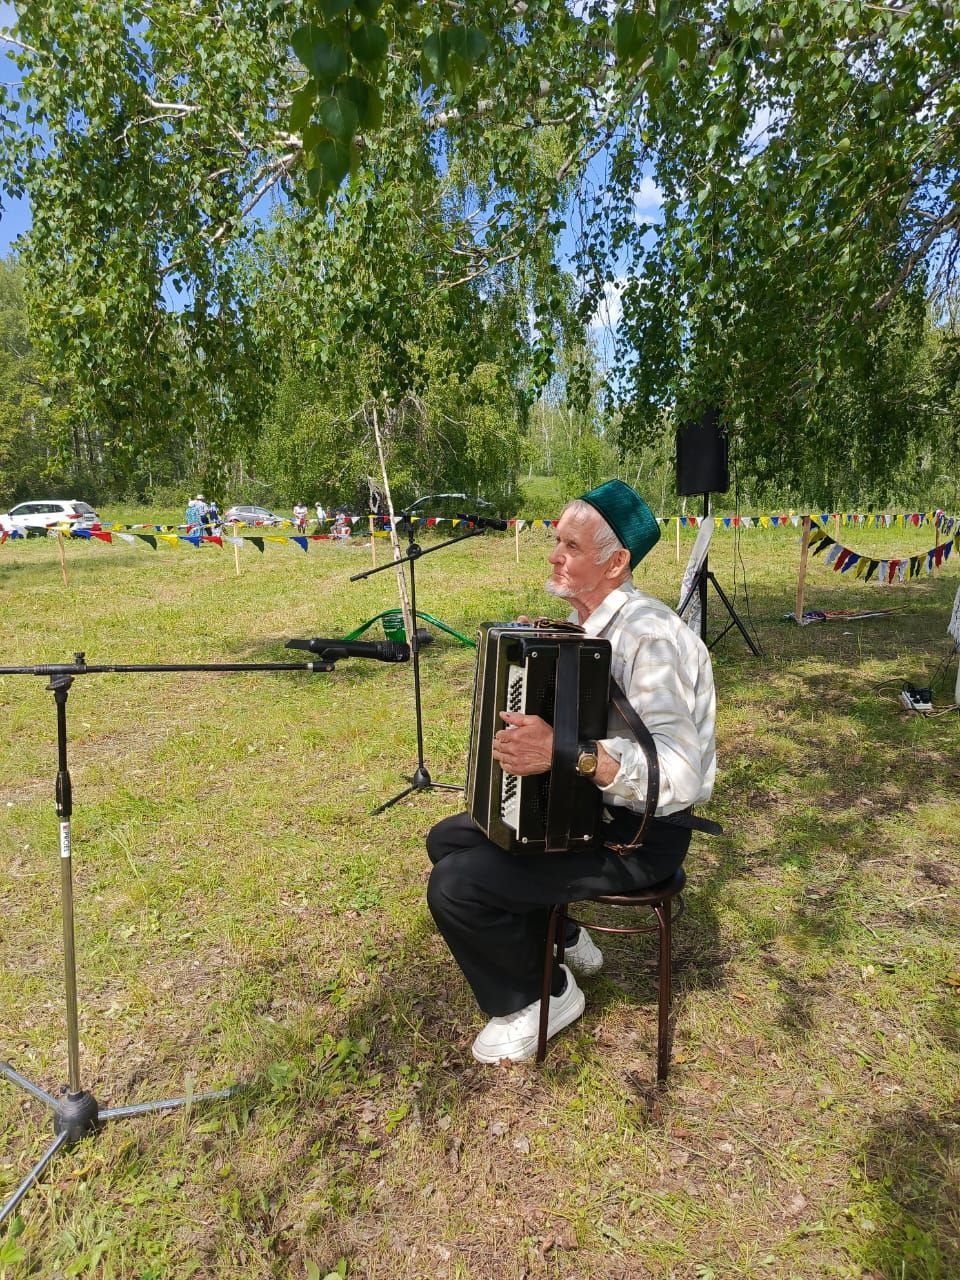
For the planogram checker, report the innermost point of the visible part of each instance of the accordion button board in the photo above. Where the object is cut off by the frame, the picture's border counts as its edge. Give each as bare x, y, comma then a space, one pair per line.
564, 678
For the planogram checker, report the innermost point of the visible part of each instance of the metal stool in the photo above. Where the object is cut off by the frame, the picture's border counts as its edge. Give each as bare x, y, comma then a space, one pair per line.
656, 898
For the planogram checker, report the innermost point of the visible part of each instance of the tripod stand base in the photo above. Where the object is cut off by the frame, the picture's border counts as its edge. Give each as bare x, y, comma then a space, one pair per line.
75, 1115
420, 781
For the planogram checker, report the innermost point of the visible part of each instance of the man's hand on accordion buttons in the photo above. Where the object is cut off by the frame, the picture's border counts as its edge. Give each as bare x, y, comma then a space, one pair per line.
525, 746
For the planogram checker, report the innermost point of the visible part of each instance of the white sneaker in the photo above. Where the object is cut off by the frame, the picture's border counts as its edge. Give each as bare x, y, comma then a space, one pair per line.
584, 957
515, 1036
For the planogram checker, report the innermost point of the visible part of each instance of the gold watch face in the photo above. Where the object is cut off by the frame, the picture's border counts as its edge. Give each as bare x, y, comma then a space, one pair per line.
587, 763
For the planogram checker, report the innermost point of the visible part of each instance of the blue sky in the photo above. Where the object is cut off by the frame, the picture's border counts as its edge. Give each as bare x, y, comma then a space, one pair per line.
15, 215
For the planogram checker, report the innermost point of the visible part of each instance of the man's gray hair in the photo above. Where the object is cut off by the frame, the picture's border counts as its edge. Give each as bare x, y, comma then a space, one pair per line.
605, 540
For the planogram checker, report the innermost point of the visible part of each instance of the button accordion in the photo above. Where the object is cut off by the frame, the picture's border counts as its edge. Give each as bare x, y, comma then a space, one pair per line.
564, 677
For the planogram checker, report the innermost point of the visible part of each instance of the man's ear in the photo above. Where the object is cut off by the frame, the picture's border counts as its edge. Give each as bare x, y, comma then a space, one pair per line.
618, 564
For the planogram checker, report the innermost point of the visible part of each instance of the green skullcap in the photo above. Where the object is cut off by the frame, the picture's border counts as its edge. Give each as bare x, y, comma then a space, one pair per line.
627, 515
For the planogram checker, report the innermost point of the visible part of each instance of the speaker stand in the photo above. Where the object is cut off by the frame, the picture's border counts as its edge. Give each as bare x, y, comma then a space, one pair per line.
704, 577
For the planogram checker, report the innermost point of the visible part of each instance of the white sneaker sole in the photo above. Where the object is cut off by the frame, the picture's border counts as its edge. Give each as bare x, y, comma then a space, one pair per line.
570, 1013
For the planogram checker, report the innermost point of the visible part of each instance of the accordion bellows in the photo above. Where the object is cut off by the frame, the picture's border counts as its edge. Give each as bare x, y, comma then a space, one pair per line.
564, 677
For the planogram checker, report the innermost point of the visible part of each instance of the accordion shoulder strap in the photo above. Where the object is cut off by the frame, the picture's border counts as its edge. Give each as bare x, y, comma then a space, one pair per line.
560, 806
649, 748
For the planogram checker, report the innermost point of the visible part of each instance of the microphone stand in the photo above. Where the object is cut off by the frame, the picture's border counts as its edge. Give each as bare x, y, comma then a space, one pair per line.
420, 780
76, 1111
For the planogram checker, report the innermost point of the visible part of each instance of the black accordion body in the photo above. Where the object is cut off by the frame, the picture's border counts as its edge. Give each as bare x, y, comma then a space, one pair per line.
564, 677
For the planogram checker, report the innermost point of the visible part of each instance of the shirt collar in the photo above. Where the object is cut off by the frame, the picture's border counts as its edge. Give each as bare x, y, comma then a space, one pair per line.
608, 608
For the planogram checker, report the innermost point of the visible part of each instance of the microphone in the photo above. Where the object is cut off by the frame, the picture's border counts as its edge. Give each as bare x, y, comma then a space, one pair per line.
484, 522
381, 650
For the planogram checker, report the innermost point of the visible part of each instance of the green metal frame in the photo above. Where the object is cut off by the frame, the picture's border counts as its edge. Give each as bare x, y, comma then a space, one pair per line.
423, 617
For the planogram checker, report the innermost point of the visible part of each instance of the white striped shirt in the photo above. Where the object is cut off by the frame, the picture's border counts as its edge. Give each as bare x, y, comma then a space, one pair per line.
664, 669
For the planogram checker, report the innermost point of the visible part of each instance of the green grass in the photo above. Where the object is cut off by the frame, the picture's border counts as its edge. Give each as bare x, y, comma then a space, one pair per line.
242, 916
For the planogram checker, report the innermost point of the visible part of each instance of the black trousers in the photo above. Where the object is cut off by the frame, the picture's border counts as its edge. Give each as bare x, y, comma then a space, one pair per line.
492, 906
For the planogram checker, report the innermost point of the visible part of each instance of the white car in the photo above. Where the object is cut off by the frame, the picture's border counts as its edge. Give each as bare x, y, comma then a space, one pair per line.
48, 513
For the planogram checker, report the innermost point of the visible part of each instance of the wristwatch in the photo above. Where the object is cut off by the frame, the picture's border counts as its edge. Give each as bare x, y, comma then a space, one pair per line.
587, 759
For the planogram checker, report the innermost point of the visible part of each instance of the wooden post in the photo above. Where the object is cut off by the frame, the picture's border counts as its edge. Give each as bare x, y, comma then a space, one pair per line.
678, 540
409, 621
236, 557
802, 575
373, 544
63, 557
516, 537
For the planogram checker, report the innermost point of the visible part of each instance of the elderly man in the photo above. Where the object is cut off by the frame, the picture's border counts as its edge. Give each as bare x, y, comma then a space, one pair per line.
491, 906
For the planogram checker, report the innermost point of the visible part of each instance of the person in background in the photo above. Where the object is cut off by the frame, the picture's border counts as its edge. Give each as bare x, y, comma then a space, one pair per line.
321, 517
213, 516
196, 513
300, 517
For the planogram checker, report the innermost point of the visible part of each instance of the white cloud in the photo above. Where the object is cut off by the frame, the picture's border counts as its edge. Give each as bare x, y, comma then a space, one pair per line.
610, 308
648, 201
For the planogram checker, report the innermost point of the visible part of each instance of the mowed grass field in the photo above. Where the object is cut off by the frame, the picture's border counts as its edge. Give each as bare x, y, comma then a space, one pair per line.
242, 917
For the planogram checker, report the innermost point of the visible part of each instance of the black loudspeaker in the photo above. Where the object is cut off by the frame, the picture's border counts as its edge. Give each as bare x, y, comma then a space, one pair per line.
702, 465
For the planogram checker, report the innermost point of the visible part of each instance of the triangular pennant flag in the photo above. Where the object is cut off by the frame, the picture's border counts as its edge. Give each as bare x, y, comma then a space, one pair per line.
872, 568
257, 542
148, 538
102, 535
726, 522
171, 539
124, 537
233, 540
276, 537
215, 538
81, 533
192, 538
300, 541
764, 522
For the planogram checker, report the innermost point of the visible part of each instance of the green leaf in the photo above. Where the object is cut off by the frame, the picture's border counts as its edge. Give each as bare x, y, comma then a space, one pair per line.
301, 106
310, 136
666, 60
332, 8
685, 42
369, 44
467, 43
433, 58
325, 61
315, 183
334, 158
339, 117
368, 8
366, 98
631, 36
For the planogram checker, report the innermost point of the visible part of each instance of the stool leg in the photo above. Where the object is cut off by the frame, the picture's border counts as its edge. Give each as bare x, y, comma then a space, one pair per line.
547, 985
663, 914
561, 931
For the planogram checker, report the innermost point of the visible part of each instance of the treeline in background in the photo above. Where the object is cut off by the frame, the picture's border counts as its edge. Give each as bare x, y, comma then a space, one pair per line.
474, 429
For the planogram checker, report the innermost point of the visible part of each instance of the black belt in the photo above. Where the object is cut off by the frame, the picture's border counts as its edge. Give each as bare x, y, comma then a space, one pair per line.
687, 818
